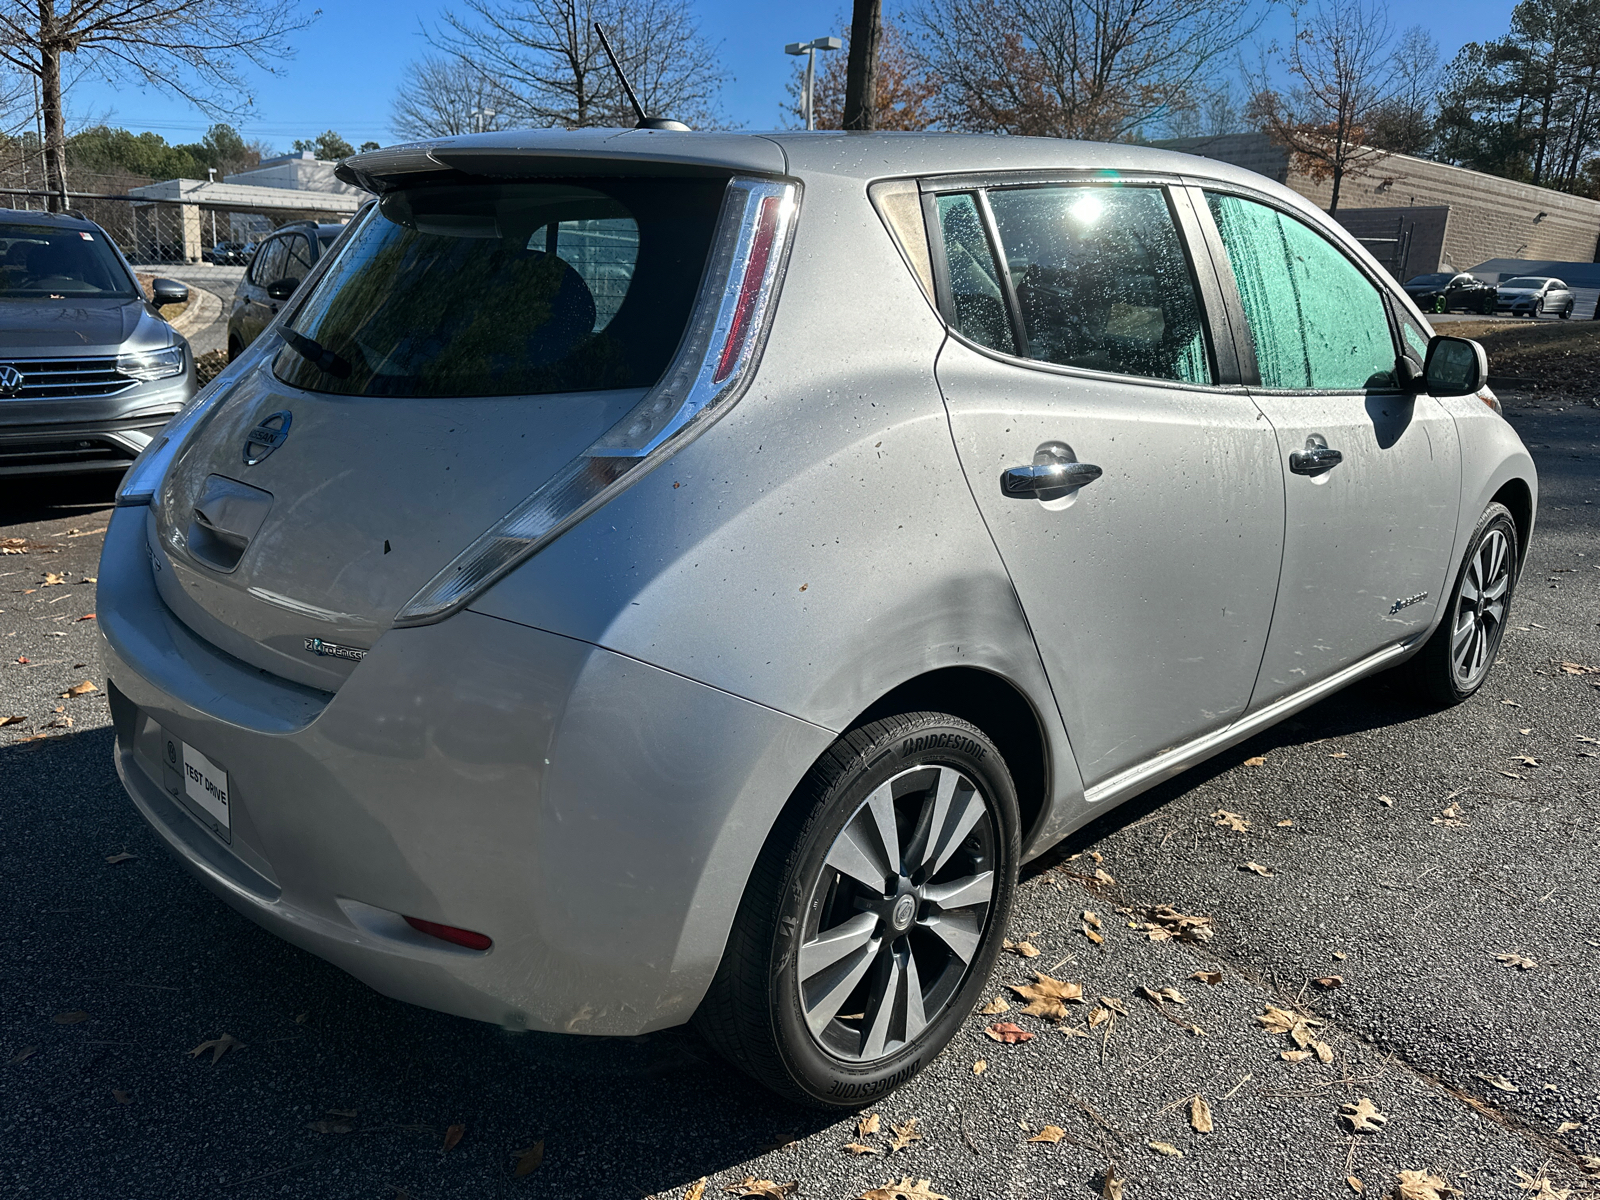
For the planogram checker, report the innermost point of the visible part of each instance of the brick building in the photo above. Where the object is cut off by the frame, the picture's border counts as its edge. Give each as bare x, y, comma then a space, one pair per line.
1418, 216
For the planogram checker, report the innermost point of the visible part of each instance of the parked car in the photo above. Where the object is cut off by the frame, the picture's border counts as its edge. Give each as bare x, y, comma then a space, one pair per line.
277, 265
1535, 295
1445, 292
227, 254
659, 577
89, 372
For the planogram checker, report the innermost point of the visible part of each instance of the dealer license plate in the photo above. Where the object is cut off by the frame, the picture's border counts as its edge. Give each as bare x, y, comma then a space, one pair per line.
205, 785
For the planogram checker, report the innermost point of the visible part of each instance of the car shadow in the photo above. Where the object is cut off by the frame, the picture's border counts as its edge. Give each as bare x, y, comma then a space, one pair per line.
25, 499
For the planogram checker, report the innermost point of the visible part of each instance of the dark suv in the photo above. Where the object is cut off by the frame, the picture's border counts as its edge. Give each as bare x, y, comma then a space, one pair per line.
89, 372
1443, 292
279, 264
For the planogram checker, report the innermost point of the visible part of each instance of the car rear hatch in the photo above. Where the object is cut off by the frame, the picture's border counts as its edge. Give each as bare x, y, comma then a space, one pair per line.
462, 349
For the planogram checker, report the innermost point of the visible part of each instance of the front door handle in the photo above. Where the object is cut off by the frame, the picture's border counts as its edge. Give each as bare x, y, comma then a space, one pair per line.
1316, 458
1054, 472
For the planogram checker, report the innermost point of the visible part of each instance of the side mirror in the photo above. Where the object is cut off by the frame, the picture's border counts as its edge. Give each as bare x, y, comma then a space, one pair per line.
282, 289
168, 291
1455, 367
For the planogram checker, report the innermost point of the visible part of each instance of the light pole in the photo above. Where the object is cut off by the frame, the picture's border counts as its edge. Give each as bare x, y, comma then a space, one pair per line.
808, 92
488, 114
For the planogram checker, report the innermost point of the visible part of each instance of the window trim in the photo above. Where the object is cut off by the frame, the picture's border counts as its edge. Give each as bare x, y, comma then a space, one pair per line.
1214, 319
1250, 370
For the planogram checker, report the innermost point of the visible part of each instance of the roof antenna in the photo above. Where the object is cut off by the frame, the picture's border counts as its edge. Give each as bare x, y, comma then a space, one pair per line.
644, 121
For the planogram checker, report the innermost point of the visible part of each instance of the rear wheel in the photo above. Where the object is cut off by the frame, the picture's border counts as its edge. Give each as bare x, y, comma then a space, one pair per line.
873, 916
1440, 304
1457, 658
1566, 313
235, 348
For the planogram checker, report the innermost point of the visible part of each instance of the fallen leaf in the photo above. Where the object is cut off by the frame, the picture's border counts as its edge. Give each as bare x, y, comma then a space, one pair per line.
1354, 1184
1539, 1186
120, 1096
123, 857
1420, 1185
904, 1190
1330, 982
861, 1148
1047, 997
87, 617
1323, 1051
1208, 977
1285, 823
1020, 949
1362, 1116
1498, 1082
1510, 704
695, 1190
1573, 668
1450, 816
1294, 1055
1340, 955
4, 721
452, 1138
904, 1134
1258, 761
995, 1007
1005, 1031
1169, 922
1072, 1031
1200, 1115
1591, 1162
1340, 754
979, 1067
1097, 938
1099, 1017
79, 689
1050, 1133
1166, 1148
1111, 1185
1103, 876
22, 1055
1525, 760
1090, 918
70, 1018
1231, 820
1172, 996
528, 1161
1281, 1020
1115, 1004
51, 579
1257, 868
1568, 1126
761, 1189
1386, 801
868, 1125
218, 1047
1517, 961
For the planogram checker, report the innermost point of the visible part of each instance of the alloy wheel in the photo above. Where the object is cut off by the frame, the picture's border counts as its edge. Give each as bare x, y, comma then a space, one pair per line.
1479, 617
897, 913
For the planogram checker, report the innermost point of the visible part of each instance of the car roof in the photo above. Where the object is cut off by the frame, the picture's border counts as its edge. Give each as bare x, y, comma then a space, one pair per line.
32, 216
866, 156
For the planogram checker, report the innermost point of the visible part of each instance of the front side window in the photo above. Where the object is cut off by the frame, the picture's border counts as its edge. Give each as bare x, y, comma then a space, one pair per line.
1102, 280
39, 262
507, 289
268, 265
1316, 321
296, 257
980, 305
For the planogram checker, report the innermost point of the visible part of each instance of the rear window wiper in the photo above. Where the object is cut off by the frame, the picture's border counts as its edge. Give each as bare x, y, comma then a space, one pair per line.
315, 353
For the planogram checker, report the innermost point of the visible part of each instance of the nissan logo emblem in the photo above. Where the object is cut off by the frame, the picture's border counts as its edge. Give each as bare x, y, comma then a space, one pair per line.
10, 380
266, 437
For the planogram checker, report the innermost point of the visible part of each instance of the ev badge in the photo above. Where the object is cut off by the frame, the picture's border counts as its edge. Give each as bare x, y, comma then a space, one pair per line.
10, 380
266, 437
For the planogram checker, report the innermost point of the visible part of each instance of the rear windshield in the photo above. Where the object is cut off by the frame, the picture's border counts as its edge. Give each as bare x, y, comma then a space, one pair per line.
507, 289
40, 262
1428, 280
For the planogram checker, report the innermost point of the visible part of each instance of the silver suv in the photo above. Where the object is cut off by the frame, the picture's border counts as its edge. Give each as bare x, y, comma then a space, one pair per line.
89, 372
650, 577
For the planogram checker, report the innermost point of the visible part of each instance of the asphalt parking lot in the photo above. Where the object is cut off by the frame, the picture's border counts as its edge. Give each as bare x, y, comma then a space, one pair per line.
1407, 854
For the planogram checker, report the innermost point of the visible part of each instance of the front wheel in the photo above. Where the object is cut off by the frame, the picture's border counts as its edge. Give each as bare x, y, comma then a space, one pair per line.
874, 915
1457, 658
1440, 304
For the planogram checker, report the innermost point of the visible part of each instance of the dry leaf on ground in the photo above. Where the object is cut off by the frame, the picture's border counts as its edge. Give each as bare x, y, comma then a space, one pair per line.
1339, 754
1005, 1031
4, 721
1091, 918
861, 1148
995, 1007
1421, 1185
452, 1137
1517, 961
1208, 977
22, 1055
868, 1125
218, 1046
120, 1096
904, 1190
979, 1067
760, 1189
1047, 997
903, 1134
695, 1190
1099, 1016
122, 857
1451, 816
1330, 982
1200, 1115
1094, 936
1323, 1051
1166, 921
1166, 1148
1050, 1133
1362, 1116
1295, 1055
1285, 823
1258, 761
1257, 869
1539, 1186
528, 1160
1020, 949
1498, 1082
1231, 820
51, 579
79, 689
1111, 1185
1354, 1184
1281, 1020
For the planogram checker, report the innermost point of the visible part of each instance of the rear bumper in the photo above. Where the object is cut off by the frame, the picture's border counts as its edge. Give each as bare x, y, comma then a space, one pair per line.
595, 816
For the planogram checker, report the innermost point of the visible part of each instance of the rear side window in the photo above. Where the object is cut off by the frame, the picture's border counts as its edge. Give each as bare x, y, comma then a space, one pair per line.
1102, 280
980, 306
507, 289
1317, 322
297, 256
268, 264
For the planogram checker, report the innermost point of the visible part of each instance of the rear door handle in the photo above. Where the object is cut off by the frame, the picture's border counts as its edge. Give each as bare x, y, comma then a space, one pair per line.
1316, 458
1054, 472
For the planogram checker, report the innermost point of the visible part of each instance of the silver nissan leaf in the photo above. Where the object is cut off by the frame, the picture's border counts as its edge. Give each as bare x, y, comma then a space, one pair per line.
653, 577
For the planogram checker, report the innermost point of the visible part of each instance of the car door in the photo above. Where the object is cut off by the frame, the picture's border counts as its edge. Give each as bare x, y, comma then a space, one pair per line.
1149, 588
264, 268
1371, 471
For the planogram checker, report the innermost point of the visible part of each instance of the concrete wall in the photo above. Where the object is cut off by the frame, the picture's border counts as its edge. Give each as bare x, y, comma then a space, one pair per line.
301, 172
1489, 217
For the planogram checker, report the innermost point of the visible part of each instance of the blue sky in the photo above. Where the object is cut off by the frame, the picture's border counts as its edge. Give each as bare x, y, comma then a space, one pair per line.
346, 66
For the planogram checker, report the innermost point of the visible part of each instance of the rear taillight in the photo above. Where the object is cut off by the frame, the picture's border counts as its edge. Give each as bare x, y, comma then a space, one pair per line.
449, 933
713, 367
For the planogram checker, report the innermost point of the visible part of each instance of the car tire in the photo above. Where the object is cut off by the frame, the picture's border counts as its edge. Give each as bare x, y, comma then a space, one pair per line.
904, 986
1566, 313
235, 348
1440, 304
1538, 310
1457, 659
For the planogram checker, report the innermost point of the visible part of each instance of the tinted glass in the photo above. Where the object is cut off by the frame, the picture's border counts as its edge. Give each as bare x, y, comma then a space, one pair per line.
1102, 280
267, 266
461, 290
1419, 280
1523, 283
1316, 320
297, 256
39, 262
980, 307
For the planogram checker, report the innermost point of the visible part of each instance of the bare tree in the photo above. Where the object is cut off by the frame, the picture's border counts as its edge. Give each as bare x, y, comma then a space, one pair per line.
441, 96
547, 59
191, 48
1404, 122
904, 87
1338, 60
861, 65
1074, 68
